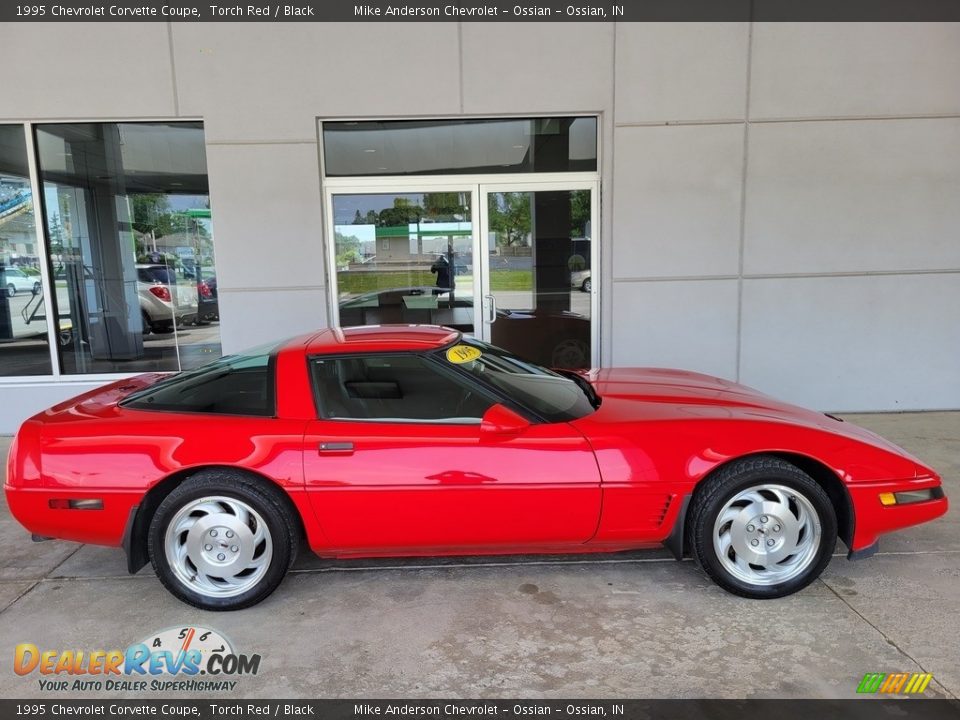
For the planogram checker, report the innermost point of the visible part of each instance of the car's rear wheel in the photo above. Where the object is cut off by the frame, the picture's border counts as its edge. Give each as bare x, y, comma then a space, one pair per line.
762, 528
222, 541
587, 285
11, 290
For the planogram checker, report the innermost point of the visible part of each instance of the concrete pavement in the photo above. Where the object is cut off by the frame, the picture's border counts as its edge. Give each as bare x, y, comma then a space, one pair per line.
627, 625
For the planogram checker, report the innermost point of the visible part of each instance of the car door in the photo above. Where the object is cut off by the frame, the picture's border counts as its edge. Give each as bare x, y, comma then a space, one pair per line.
398, 463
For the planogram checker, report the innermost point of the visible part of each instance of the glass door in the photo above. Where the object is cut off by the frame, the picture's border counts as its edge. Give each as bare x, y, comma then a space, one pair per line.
406, 257
508, 262
535, 271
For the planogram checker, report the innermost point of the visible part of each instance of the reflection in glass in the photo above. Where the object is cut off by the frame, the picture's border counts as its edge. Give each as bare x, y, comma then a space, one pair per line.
23, 323
540, 274
131, 245
408, 258
404, 258
450, 147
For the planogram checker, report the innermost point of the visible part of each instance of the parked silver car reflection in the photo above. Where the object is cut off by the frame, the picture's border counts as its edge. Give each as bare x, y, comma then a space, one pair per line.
15, 280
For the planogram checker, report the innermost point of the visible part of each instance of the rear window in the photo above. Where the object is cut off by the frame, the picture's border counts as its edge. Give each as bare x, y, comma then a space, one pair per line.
157, 274
233, 385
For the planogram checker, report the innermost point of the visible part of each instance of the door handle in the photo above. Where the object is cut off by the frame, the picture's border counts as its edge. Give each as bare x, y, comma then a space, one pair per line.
492, 309
336, 448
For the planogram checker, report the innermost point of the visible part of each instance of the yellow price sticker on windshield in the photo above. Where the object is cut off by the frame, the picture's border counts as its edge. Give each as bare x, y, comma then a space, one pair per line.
463, 354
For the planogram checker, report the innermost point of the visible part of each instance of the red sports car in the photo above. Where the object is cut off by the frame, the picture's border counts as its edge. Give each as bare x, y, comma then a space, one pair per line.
416, 440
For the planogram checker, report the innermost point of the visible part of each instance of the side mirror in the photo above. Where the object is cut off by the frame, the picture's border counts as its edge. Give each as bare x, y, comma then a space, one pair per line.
501, 420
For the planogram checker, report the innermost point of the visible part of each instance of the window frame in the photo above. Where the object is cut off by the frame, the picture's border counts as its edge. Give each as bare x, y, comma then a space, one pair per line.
428, 359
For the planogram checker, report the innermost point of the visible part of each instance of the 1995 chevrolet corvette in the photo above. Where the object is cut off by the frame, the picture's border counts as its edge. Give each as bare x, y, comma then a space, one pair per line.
416, 440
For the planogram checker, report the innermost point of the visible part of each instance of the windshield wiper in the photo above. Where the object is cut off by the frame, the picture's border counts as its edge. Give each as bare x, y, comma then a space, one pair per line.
584, 385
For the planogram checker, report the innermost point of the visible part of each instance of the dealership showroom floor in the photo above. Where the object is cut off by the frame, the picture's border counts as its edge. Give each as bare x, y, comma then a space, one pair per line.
628, 625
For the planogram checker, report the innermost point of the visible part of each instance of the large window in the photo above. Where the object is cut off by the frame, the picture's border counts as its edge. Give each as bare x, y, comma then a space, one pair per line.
24, 348
404, 258
130, 243
457, 147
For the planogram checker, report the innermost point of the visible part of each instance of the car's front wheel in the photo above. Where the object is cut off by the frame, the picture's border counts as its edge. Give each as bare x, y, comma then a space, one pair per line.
11, 290
762, 528
222, 541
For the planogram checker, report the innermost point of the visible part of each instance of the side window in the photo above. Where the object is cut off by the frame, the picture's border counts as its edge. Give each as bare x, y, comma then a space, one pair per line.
232, 385
400, 388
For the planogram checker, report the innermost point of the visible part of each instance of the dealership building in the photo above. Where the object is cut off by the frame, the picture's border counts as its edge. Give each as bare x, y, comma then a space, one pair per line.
773, 203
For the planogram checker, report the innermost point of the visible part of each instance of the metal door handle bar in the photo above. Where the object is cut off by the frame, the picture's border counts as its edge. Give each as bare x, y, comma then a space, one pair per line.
492, 305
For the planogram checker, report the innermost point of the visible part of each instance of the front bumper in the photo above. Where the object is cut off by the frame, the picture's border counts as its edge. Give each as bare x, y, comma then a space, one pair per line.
872, 518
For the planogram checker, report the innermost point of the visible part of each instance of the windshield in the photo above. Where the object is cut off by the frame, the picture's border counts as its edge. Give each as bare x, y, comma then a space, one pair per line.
554, 397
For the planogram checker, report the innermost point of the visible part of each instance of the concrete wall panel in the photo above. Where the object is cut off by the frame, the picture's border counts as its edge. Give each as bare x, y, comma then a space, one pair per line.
854, 69
681, 71
539, 67
677, 192
267, 221
854, 343
86, 70
853, 196
683, 324
263, 82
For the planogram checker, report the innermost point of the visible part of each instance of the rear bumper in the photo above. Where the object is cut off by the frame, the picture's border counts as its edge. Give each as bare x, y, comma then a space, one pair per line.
104, 526
872, 518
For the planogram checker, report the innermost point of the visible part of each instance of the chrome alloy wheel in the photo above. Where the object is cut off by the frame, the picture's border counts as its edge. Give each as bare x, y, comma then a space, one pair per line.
767, 534
218, 546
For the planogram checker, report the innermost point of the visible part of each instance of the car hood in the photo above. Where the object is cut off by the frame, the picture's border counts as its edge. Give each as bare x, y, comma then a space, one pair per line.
632, 394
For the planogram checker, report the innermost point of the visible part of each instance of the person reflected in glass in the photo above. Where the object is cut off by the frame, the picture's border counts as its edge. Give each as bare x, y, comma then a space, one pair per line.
441, 267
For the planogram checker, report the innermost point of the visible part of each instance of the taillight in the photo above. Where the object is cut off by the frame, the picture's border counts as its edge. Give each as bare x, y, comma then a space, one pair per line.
162, 292
204, 290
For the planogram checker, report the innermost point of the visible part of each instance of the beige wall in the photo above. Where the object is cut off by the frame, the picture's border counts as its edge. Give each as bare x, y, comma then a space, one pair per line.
781, 203
787, 208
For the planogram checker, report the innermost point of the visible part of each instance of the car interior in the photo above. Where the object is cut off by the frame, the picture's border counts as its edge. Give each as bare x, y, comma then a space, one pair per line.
393, 388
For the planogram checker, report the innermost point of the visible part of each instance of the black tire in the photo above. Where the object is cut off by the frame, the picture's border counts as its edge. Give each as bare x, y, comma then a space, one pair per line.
164, 328
145, 321
587, 285
717, 490
265, 499
11, 290
36, 288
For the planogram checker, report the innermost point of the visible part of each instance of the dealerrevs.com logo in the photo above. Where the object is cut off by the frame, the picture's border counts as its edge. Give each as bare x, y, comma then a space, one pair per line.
186, 659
